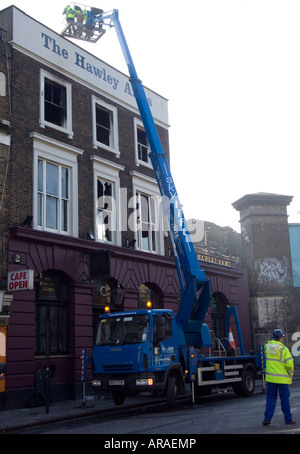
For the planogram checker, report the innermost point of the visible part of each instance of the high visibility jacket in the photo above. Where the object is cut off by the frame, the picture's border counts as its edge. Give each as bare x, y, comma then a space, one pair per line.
70, 13
279, 363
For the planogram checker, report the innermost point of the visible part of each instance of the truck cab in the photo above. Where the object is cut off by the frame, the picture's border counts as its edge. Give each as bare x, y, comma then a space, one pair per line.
136, 351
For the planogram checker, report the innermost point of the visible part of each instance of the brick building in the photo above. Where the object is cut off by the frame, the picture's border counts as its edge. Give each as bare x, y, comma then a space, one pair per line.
267, 254
79, 206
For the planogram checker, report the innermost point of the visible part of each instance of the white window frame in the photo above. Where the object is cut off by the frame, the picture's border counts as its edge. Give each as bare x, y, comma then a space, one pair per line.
139, 162
108, 171
148, 186
114, 139
58, 198
67, 128
57, 153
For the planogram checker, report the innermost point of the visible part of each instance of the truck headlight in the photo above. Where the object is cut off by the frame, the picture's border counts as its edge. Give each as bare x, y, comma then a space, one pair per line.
144, 381
96, 382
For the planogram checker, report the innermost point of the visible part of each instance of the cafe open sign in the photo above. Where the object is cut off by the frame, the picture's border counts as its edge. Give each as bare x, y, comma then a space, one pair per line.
20, 280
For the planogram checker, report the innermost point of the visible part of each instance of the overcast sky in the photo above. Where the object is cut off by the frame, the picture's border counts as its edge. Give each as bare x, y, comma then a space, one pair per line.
231, 72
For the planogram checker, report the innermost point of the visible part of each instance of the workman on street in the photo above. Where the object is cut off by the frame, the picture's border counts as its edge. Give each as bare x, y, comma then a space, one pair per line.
279, 375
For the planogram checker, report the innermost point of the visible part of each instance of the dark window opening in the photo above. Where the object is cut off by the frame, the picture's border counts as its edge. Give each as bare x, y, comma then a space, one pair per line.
103, 125
218, 315
52, 306
143, 147
55, 103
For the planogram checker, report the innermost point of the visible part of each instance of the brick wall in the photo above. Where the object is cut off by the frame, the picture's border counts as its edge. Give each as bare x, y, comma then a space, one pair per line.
25, 102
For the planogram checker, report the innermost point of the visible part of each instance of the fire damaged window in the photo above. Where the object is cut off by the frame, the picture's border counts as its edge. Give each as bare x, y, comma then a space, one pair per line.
55, 103
143, 146
105, 212
105, 126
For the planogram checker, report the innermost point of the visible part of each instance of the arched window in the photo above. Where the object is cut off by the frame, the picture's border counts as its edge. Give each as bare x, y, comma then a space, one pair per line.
150, 292
218, 314
52, 305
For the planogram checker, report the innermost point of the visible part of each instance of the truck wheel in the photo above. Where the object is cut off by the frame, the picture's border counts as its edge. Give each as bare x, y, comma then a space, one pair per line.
247, 386
171, 390
118, 398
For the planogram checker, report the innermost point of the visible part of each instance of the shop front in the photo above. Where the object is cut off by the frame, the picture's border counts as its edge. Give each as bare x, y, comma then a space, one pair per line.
74, 280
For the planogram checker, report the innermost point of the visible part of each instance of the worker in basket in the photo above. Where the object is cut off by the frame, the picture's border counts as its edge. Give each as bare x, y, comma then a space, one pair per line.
70, 14
80, 15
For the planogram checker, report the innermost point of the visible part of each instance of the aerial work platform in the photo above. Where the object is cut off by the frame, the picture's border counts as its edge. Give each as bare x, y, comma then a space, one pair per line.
83, 22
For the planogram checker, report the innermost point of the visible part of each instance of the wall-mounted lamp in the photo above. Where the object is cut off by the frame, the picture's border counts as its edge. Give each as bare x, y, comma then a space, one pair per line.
130, 244
27, 221
118, 295
90, 235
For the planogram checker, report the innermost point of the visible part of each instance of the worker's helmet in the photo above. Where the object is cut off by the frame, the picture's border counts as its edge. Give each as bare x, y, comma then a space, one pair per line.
277, 334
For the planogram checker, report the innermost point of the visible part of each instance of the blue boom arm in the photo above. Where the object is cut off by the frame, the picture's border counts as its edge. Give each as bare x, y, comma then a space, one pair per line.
195, 287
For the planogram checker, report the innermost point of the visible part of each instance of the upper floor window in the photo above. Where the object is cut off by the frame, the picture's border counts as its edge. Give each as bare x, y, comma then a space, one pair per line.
141, 144
105, 126
147, 219
146, 209
55, 186
55, 103
107, 200
105, 210
53, 196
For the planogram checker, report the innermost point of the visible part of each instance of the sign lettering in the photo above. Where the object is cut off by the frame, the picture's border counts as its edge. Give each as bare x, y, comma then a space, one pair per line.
20, 280
214, 260
80, 61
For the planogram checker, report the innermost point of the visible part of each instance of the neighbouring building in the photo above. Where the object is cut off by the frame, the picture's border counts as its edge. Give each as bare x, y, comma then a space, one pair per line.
267, 254
294, 232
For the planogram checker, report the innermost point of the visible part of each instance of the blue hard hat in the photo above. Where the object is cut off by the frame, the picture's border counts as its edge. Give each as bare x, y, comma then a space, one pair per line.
277, 334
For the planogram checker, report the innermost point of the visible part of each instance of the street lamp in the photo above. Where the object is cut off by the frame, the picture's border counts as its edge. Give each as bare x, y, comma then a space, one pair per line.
118, 295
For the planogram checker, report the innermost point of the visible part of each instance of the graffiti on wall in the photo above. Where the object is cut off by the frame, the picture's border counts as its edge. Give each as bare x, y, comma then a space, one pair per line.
272, 270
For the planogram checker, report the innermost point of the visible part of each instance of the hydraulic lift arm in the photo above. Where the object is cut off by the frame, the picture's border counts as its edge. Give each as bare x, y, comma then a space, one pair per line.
195, 287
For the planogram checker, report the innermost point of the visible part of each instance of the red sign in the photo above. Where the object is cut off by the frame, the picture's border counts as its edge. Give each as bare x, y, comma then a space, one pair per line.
20, 280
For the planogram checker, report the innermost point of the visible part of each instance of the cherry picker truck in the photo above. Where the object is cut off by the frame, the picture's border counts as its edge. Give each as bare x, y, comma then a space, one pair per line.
152, 349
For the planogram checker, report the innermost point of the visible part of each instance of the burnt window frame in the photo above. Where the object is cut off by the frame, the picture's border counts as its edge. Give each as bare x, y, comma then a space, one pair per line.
141, 148
55, 99
112, 144
106, 210
64, 110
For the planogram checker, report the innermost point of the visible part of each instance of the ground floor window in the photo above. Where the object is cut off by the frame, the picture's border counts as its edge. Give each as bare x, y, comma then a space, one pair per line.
150, 293
218, 315
52, 309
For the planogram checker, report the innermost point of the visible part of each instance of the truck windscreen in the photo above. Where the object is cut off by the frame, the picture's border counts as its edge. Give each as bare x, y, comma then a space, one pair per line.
119, 330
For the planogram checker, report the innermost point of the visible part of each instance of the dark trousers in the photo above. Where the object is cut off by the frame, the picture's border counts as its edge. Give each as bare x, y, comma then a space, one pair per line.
284, 393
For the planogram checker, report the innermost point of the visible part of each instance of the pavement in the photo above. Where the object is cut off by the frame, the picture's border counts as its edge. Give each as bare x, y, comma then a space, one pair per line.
24, 418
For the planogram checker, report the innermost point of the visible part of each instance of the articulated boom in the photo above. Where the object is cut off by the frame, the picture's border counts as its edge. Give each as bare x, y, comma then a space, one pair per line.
192, 278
